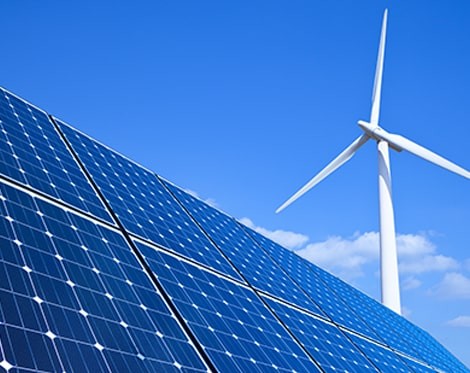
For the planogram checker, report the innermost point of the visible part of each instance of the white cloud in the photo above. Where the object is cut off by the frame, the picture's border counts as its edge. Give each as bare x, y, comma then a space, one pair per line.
347, 257
460, 321
210, 201
453, 286
344, 256
411, 283
290, 240
428, 263
352, 257
414, 244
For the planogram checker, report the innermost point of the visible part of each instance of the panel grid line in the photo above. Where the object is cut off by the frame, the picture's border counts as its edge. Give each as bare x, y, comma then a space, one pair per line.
380, 341
385, 343
186, 258
339, 326
33, 286
33, 154
9, 181
258, 269
142, 204
139, 256
254, 289
388, 346
377, 340
65, 280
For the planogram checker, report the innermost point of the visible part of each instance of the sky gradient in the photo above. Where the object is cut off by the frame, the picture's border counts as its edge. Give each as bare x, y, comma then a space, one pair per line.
243, 102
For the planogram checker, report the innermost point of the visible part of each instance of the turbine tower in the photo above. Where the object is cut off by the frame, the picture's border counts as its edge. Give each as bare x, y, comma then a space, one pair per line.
390, 287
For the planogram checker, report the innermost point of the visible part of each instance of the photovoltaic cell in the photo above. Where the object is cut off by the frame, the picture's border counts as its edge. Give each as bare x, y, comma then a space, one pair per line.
394, 330
237, 330
142, 204
75, 298
439, 352
343, 304
244, 253
32, 153
420, 368
355, 300
425, 347
383, 358
326, 343
299, 270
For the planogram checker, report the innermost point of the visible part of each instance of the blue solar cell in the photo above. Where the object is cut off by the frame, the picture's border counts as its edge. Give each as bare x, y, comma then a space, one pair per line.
418, 367
383, 358
394, 330
438, 351
75, 298
236, 329
425, 348
380, 323
360, 304
299, 269
245, 254
142, 204
32, 153
326, 342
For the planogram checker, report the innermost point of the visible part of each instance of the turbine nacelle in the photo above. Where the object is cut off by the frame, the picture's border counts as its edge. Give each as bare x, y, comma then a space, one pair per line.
379, 134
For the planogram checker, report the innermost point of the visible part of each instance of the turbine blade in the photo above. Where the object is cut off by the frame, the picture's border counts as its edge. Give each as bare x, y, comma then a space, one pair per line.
345, 156
375, 112
401, 142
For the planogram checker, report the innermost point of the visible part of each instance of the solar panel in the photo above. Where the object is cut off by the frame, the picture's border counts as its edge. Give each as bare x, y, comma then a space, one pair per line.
104, 266
384, 358
32, 153
393, 329
326, 342
244, 253
299, 270
444, 356
142, 204
75, 298
377, 326
230, 321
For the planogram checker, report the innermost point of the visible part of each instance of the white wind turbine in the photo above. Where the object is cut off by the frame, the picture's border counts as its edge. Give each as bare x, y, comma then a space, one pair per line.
388, 248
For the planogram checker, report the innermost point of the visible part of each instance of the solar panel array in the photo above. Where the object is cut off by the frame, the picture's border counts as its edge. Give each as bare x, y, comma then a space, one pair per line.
105, 266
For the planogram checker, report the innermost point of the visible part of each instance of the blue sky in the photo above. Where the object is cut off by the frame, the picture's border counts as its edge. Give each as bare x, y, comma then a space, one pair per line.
242, 102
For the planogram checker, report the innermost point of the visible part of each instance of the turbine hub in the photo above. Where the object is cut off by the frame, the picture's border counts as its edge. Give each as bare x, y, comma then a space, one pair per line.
369, 129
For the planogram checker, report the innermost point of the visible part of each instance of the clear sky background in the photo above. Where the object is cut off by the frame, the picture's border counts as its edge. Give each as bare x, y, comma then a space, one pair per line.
242, 102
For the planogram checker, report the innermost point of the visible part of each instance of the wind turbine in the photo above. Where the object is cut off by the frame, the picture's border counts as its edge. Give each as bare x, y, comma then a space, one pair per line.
371, 130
